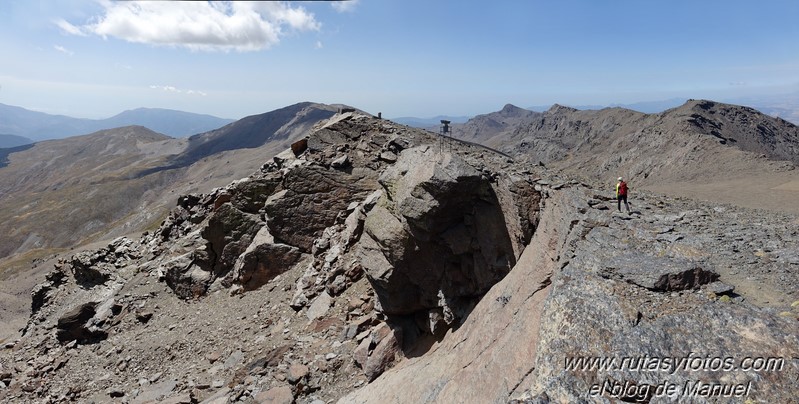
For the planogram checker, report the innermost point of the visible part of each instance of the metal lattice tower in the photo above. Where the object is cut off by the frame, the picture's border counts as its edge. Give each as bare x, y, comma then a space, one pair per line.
444, 136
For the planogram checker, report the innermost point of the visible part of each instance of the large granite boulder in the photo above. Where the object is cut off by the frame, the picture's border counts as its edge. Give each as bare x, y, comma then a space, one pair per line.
437, 239
601, 309
490, 355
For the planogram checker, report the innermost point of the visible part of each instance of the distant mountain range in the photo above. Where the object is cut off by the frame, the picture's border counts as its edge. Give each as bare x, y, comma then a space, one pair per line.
699, 139
38, 126
429, 122
784, 106
646, 107
649, 107
122, 180
7, 141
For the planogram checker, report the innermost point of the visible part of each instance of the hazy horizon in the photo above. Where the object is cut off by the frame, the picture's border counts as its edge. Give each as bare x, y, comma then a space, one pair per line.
655, 107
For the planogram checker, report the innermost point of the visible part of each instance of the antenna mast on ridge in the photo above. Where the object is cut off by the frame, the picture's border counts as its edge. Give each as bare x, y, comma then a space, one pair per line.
444, 137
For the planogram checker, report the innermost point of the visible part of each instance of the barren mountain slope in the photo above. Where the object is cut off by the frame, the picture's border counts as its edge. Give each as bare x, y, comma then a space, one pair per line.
368, 264
58, 193
685, 151
281, 125
55, 194
483, 127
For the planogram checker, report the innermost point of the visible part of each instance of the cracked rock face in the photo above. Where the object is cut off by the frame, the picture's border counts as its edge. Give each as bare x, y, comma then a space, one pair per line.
310, 201
596, 285
437, 238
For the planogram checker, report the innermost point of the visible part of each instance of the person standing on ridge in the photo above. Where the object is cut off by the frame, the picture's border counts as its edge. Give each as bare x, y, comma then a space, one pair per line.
621, 195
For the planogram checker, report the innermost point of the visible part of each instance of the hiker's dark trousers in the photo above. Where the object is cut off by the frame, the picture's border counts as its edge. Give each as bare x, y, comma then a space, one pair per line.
623, 198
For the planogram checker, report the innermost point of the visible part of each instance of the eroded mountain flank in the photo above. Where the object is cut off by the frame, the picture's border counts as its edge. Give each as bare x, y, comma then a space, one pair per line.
372, 262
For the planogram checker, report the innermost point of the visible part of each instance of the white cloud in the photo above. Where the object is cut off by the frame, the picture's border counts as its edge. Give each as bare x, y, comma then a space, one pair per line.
204, 26
318, 45
173, 89
63, 50
344, 6
69, 28
296, 18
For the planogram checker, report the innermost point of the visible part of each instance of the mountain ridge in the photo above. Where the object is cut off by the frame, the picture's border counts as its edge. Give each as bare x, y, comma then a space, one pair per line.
76, 173
9, 141
369, 258
618, 140
42, 126
429, 122
256, 130
785, 107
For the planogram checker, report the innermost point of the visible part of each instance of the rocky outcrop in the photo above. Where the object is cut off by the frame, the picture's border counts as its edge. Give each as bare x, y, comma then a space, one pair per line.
310, 201
438, 238
263, 260
43, 292
656, 319
98, 267
470, 364
250, 195
82, 307
72, 325
223, 238
594, 288
378, 350
374, 258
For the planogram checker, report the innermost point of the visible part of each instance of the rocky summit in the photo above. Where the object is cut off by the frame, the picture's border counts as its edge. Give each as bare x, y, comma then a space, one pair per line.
372, 262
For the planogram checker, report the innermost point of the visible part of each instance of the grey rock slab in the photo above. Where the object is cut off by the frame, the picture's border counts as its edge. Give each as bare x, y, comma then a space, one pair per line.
276, 395
340, 162
297, 372
669, 237
313, 199
220, 397
383, 355
184, 398
658, 274
262, 262
319, 306
234, 359
720, 288
155, 392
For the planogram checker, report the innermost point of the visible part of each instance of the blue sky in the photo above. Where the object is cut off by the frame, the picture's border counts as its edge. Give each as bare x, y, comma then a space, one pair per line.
93, 59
